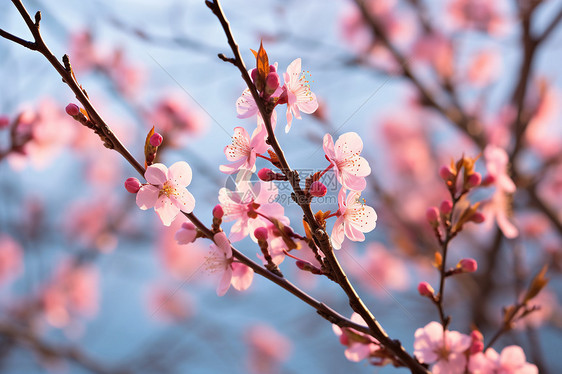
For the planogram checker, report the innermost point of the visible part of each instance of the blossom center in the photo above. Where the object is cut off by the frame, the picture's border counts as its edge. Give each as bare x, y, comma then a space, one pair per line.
168, 189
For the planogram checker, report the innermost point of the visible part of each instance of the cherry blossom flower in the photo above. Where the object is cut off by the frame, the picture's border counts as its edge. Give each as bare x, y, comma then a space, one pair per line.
246, 106
11, 258
359, 345
444, 349
351, 169
268, 348
497, 162
299, 96
221, 260
243, 150
355, 218
248, 204
166, 191
510, 361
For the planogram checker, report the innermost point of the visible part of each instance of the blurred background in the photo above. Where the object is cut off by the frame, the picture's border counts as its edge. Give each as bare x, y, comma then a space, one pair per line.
89, 283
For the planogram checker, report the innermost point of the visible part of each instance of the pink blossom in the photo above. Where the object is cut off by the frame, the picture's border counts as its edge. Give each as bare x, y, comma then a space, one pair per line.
172, 115
543, 132
243, 150
484, 68
72, 292
221, 260
480, 15
351, 169
444, 349
247, 204
510, 361
497, 163
355, 218
299, 96
246, 106
268, 348
166, 191
359, 345
11, 258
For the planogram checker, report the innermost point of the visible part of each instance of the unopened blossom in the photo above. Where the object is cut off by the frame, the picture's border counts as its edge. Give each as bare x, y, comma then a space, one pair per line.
497, 162
445, 350
351, 169
244, 150
299, 96
221, 260
186, 234
355, 218
510, 361
166, 191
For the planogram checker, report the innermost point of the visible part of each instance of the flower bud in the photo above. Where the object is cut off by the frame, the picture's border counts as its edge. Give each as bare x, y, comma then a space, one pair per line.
477, 344
446, 173
318, 189
467, 265
446, 207
432, 215
156, 139
271, 83
260, 233
307, 266
254, 74
218, 212
477, 217
133, 185
272, 69
72, 109
425, 289
474, 180
4, 122
186, 234
488, 180
266, 175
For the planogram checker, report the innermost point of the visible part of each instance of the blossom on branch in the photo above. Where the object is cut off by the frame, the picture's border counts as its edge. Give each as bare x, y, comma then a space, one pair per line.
510, 361
354, 219
299, 96
165, 191
351, 169
243, 150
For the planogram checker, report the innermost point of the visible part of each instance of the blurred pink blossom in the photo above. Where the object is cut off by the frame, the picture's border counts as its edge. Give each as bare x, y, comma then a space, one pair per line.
268, 349
484, 68
359, 345
511, 360
11, 258
478, 15
171, 114
169, 304
543, 131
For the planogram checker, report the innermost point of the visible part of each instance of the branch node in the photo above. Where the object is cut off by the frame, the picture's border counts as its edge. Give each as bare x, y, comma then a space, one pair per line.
37, 19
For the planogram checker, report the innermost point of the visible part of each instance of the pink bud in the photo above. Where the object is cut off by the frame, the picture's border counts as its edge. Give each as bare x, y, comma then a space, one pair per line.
271, 83
4, 122
474, 180
425, 289
446, 173
254, 74
468, 265
307, 266
260, 233
186, 234
266, 175
432, 215
272, 69
218, 212
72, 109
488, 180
133, 185
477, 217
477, 344
318, 189
446, 207
476, 335
156, 139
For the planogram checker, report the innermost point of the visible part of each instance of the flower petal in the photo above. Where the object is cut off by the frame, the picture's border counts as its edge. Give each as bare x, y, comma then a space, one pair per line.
246, 105
242, 276
180, 174
224, 283
156, 174
184, 200
223, 244
147, 196
166, 210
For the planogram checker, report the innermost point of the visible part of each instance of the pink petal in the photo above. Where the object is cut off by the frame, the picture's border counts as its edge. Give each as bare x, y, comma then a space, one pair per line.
184, 200
224, 283
348, 144
308, 104
156, 174
234, 167
166, 210
180, 174
353, 234
352, 182
338, 233
223, 244
246, 105
512, 357
242, 276
357, 352
293, 73
147, 196
328, 145
258, 143
365, 219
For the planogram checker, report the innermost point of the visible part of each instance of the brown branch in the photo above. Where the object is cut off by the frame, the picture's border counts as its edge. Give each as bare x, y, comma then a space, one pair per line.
303, 200
26, 338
